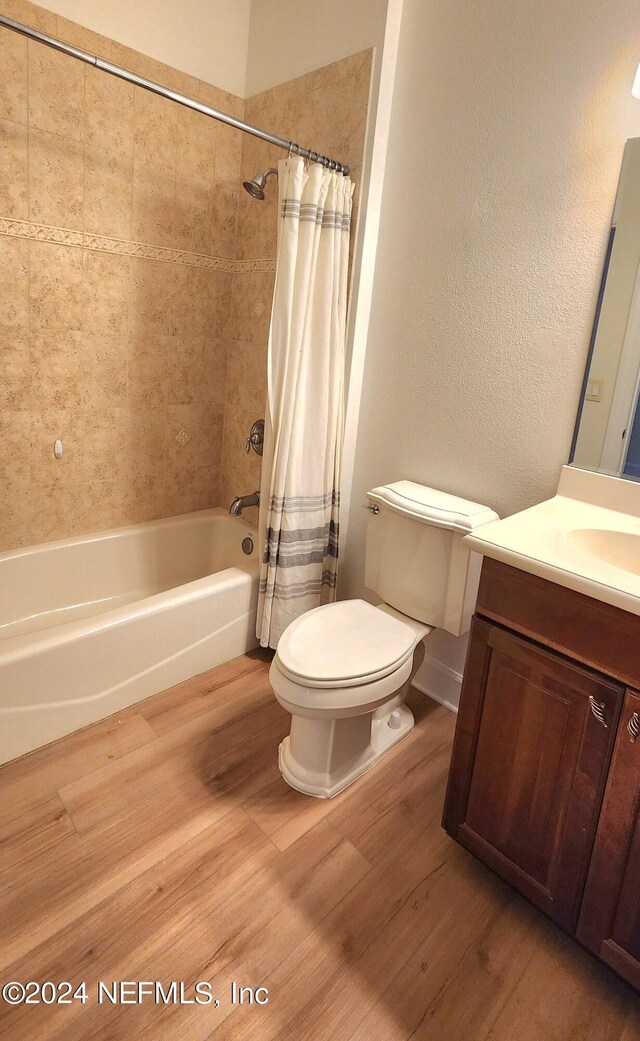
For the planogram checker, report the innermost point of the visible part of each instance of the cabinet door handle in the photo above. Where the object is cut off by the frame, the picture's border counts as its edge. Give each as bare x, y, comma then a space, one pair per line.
633, 726
598, 708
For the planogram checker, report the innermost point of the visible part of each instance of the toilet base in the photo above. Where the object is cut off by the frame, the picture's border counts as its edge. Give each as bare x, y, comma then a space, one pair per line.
321, 758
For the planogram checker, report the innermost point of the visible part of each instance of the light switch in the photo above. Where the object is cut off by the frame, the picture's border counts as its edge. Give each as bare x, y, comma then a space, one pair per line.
594, 390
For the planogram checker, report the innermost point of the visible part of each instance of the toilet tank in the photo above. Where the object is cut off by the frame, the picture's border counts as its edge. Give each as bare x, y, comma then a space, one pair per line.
416, 560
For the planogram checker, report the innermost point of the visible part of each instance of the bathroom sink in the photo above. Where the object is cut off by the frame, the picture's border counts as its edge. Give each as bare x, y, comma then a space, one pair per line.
619, 548
586, 538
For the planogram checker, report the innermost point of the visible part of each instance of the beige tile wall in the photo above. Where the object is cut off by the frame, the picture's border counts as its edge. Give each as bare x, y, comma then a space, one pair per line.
126, 329
119, 347
325, 110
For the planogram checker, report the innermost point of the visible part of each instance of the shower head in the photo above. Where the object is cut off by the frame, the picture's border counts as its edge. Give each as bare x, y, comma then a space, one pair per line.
257, 185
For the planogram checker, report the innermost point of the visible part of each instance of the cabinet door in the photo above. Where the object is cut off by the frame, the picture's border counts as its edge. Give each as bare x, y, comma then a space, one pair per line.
610, 915
533, 742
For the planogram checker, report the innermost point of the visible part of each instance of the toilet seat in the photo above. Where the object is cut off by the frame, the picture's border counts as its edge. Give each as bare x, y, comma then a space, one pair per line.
303, 699
344, 644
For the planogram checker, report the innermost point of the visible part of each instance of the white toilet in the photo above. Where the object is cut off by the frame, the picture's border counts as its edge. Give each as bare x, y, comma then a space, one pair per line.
343, 670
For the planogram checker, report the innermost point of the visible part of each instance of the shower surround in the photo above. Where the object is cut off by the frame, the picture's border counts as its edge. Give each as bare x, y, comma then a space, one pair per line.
137, 279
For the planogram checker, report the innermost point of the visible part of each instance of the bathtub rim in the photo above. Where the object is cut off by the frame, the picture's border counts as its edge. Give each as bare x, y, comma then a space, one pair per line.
106, 534
15, 648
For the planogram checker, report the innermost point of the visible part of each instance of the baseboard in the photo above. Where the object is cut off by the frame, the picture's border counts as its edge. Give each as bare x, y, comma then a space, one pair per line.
440, 683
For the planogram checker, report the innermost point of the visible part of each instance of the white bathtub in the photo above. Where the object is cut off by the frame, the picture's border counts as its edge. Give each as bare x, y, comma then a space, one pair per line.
92, 624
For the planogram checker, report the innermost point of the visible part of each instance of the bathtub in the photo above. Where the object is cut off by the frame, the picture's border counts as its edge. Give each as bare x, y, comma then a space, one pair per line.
92, 624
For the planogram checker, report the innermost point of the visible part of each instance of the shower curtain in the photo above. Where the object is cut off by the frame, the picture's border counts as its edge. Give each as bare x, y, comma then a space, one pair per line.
304, 418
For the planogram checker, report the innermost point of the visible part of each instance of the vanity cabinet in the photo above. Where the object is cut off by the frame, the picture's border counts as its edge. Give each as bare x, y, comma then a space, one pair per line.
544, 784
529, 766
610, 917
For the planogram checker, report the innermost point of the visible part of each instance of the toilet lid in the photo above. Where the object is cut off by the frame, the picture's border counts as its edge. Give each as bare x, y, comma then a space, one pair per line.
344, 644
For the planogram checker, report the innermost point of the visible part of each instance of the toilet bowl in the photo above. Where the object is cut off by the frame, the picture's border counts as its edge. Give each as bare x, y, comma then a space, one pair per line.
343, 670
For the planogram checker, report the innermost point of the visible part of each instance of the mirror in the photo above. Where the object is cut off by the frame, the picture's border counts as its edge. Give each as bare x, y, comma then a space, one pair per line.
607, 433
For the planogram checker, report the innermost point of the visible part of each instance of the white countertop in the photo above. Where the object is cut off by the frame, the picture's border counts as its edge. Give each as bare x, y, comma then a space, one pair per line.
586, 538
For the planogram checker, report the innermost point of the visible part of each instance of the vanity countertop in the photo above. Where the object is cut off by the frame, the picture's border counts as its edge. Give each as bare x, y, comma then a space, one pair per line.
586, 538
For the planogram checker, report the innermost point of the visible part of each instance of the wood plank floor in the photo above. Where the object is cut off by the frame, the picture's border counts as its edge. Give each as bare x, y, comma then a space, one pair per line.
162, 845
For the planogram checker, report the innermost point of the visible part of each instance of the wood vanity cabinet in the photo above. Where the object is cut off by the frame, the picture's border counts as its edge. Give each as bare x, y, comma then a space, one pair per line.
544, 785
609, 920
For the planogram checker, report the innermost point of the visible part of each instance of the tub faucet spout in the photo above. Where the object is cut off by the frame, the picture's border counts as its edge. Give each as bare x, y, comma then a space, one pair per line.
242, 501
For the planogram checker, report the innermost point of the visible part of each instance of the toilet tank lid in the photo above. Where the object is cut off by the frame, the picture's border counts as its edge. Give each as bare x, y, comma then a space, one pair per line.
432, 506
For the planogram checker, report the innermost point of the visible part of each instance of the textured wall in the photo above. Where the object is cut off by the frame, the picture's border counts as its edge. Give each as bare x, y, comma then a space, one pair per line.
325, 110
117, 239
507, 131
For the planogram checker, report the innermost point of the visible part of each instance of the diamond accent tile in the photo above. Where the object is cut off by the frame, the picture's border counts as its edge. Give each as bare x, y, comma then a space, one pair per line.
259, 309
182, 437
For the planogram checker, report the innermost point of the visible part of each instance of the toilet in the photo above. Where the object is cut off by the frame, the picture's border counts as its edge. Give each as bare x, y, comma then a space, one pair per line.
343, 670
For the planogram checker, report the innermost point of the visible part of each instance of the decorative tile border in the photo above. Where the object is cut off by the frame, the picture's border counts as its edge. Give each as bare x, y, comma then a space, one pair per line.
102, 244
254, 265
23, 229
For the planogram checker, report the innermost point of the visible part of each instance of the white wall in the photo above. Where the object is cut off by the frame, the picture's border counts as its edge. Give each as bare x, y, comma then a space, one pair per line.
206, 38
507, 130
243, 46
288, 38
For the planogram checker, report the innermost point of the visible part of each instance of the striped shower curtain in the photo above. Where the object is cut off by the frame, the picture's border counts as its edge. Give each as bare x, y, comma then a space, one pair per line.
304, 419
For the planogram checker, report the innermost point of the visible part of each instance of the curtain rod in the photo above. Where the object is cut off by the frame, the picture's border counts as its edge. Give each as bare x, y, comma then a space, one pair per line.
172, 95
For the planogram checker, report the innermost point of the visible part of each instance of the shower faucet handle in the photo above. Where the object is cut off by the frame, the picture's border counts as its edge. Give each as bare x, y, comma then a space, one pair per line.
255, 439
